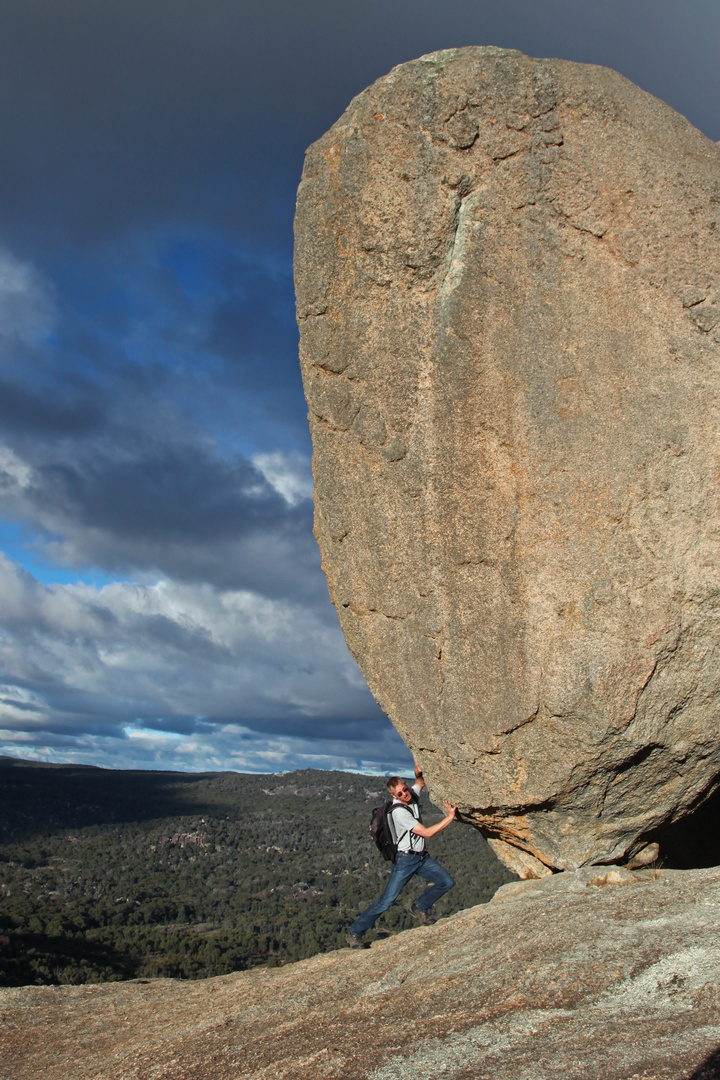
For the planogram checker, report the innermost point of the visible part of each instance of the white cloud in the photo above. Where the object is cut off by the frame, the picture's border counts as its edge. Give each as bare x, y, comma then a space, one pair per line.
27, 311
21, 706
15, 474
289, 474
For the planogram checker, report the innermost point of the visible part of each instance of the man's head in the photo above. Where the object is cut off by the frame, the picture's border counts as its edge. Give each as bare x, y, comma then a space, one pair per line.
399, 789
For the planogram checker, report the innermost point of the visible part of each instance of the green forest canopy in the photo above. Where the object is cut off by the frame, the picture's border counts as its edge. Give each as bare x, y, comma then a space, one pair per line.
108, 875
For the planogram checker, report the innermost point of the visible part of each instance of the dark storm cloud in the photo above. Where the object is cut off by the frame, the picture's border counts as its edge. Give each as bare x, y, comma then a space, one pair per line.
114, 111
163, 492
184, 513
367, 727
28, 411
134, 505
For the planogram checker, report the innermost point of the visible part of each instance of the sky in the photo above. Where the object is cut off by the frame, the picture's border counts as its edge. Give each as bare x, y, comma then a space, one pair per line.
161, 599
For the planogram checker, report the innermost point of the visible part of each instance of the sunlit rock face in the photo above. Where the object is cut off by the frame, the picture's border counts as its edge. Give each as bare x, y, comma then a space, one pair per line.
508, 292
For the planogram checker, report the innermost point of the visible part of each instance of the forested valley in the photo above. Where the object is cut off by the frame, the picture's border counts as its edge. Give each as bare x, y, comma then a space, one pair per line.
109, 875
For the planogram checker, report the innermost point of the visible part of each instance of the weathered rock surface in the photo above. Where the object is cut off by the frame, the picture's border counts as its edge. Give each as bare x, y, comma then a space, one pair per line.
601, 973
508, 292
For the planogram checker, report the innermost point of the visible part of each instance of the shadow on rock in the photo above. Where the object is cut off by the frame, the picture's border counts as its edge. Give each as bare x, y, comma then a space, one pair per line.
39, 797
710, 1068
694, 842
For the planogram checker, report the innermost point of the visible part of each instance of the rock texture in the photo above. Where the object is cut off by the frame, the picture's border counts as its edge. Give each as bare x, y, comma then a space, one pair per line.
600, 974
508, 292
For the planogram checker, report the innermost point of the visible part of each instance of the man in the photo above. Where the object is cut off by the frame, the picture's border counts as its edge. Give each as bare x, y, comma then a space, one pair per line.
411, 859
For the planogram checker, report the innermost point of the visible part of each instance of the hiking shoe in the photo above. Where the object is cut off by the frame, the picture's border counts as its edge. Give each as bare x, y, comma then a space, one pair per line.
355, 941
424, 916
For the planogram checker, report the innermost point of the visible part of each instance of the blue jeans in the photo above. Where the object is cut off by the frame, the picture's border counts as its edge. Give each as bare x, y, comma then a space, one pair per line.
405, 867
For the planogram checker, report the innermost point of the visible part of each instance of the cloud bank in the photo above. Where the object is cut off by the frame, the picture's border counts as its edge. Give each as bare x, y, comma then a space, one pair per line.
178, 669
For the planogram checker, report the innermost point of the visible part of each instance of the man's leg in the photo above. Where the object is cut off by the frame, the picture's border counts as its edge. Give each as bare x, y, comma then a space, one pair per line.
440, 880
404, 867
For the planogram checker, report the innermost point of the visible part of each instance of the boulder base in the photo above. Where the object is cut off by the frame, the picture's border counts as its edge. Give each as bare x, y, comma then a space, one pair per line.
509, 307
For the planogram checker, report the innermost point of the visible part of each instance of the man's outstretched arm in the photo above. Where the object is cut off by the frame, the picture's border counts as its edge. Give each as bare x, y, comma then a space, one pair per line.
420, 830
419, 779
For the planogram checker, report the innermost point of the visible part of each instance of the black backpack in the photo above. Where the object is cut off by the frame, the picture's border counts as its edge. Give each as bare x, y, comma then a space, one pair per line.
381, 832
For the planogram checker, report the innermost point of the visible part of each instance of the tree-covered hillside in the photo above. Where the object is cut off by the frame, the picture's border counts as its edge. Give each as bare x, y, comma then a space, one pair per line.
108, 875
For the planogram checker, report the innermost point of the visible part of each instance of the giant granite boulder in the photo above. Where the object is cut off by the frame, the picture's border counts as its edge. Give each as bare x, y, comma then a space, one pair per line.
508, 290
